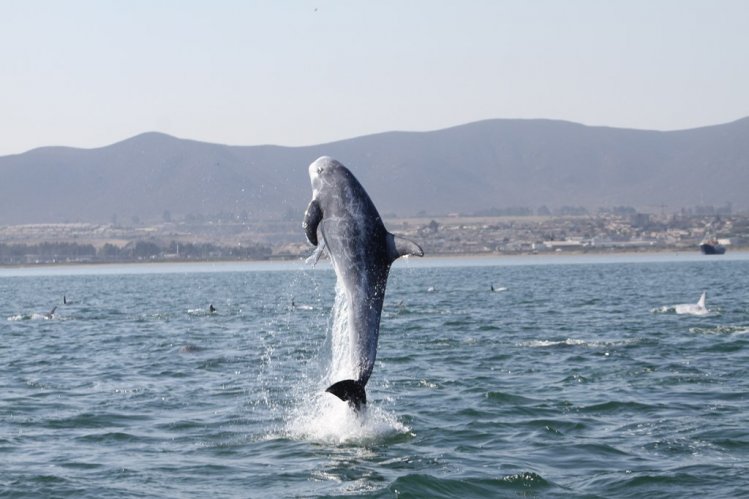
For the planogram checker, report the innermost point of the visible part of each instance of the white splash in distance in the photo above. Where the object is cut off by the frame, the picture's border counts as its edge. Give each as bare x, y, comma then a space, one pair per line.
698, 309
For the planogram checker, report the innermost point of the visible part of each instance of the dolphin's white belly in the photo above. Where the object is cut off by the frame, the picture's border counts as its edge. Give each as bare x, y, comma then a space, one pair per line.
364, 289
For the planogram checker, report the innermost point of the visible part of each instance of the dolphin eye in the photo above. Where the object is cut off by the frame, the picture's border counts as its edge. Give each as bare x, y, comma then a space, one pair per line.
319, 170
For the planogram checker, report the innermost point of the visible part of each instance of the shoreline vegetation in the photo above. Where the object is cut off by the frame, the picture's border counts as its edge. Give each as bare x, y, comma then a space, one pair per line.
447, 236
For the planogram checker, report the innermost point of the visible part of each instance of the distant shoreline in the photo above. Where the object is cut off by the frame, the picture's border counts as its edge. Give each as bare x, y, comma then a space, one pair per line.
462, 237
288, 262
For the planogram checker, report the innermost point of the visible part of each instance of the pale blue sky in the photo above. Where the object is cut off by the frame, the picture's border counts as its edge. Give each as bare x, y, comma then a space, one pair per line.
90, 73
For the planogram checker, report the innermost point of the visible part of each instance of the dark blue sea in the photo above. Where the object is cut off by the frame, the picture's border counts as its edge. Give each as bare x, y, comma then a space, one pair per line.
575, 377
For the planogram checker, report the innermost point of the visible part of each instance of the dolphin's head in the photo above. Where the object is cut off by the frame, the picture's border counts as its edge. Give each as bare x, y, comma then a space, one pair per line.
322, 171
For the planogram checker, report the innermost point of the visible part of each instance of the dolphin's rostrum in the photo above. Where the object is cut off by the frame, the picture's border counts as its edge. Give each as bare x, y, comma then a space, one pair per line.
362, 251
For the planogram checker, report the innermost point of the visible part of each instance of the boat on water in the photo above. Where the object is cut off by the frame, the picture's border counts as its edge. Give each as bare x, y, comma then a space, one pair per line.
711, 246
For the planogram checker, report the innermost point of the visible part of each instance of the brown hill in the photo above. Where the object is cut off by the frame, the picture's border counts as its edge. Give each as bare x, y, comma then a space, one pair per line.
468, 168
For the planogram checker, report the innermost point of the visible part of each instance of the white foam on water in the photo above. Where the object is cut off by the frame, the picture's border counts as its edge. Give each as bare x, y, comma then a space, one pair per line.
720, 329
663, 310
324, 418
573, 342
554, 343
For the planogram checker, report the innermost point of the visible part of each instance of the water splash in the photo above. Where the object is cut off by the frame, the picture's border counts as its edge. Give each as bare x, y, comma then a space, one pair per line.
322, 417
341, 362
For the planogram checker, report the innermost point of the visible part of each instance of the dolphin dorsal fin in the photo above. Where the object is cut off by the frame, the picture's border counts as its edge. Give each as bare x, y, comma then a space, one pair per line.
701, 302
400, 246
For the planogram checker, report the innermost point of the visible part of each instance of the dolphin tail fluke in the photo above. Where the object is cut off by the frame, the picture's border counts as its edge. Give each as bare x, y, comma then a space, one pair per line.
400, 246
350, 391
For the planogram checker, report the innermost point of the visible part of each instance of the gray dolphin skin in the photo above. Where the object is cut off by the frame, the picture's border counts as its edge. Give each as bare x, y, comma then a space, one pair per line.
362, 251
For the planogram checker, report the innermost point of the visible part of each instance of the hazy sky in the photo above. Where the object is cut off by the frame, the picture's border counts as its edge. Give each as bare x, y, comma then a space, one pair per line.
90, 73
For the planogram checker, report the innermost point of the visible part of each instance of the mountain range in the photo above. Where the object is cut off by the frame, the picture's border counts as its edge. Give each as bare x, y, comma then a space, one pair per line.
464, 169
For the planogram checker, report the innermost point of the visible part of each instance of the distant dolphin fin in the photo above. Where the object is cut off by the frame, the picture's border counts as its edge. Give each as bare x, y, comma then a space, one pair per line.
701, 303
350, 391
400, 246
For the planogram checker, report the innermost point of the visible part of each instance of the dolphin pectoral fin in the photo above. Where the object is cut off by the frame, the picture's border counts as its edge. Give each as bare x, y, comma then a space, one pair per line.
350, 391
312, 218
404, 247
315, 256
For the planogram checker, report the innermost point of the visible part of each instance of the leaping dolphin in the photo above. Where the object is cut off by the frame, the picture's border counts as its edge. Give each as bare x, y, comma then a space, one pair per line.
362, 251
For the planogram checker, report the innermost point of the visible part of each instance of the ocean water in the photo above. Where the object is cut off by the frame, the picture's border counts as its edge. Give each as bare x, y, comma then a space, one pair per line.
575, 378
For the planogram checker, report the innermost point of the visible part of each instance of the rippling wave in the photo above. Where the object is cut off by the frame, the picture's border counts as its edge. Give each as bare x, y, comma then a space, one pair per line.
571, 382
